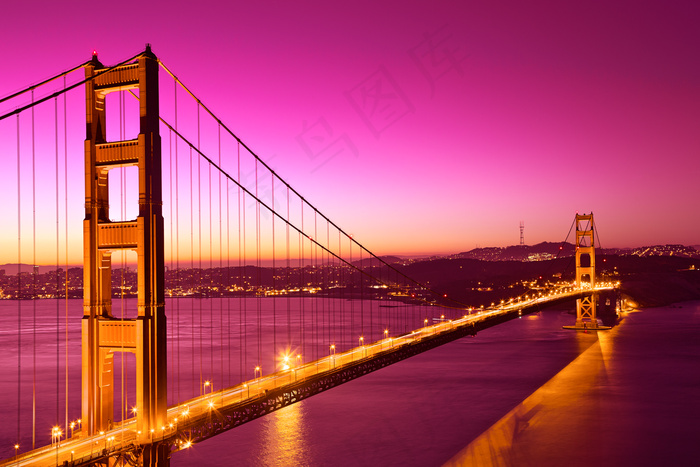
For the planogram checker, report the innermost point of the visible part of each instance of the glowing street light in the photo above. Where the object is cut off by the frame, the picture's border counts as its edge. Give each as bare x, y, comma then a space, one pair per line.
59, 433
56, 434
257, 383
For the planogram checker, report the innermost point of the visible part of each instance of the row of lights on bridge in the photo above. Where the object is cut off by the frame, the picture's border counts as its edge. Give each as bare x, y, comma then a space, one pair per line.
57, 433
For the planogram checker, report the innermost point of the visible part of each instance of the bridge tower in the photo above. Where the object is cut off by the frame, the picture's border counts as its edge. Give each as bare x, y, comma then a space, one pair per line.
586, 317
102, 333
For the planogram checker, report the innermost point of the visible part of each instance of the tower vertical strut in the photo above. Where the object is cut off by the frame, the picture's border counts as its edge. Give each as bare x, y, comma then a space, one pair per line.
102, 333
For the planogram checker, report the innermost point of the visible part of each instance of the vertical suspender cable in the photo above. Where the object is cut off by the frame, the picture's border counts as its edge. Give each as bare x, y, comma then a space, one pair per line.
258, 301
211, 264
172, 361
352, 302
362, 300
289, 284
58, 277
33, 281
178, 286
65, 207
329, 281
274, 281
302, 319
199, 249
221, 252
19, 286
241, 273
317, 284
191, 272
228, 279
341, 268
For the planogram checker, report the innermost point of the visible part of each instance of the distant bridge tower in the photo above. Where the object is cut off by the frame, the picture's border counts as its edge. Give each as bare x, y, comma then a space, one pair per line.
102, 333
586, 317
522, 233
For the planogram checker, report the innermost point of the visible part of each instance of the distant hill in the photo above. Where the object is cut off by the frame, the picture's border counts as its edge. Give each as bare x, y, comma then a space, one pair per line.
374, 262
541, 251
11, 268
648, 280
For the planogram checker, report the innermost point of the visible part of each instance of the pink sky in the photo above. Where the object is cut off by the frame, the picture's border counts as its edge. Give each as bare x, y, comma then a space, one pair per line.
532, 111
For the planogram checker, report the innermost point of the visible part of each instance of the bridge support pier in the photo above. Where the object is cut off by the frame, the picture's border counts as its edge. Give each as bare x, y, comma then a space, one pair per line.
156, 455
103, 334
586, 318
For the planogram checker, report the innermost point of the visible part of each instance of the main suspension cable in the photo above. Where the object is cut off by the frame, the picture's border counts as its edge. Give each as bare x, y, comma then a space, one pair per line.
252, 153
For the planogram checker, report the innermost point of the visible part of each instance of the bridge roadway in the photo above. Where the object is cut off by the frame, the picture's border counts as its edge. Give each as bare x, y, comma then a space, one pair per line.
208, 415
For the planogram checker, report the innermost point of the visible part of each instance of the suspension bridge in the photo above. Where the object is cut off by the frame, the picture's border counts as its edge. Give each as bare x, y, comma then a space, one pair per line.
268, 301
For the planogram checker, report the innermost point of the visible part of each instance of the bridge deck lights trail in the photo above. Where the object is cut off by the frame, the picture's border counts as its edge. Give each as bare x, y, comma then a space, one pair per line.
102, 333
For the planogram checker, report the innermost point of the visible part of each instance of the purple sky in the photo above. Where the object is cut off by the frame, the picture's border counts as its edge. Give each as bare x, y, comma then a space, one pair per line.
490, 113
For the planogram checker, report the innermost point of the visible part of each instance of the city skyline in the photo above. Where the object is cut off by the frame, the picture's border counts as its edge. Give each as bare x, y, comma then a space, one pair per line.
527, 113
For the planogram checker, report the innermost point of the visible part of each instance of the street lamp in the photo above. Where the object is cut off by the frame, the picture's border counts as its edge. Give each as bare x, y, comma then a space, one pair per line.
257, 384
56, 434
332, 355
210, 385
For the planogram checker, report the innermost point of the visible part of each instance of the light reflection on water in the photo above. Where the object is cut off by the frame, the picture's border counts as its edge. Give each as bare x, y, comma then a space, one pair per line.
629, 399
625, 397
285, 437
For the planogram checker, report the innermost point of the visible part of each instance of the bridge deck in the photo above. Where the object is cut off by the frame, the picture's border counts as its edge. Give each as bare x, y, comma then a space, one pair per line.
205, 416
